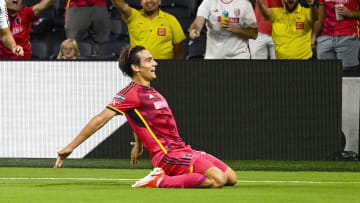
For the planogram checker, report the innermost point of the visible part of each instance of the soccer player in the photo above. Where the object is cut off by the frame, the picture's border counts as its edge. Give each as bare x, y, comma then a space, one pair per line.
148, 113
6, 37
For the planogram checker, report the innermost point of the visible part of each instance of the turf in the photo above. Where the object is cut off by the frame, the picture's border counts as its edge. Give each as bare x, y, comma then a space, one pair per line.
108, 185
241, 165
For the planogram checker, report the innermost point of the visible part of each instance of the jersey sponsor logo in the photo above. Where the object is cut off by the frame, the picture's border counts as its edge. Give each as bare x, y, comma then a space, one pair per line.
120, 97
17, 30
231, 19
188, 155
234, 20
161, 31
236, 11
300, 25
151, 96
160, 105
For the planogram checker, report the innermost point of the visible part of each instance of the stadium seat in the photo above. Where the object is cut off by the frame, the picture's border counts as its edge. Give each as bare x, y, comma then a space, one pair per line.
179, 8
185, 23
39, 49
30, 2
85, 48
112, 48
134, 3
118, 29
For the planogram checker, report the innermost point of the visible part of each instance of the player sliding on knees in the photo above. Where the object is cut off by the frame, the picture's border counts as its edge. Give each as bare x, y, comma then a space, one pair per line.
176, 165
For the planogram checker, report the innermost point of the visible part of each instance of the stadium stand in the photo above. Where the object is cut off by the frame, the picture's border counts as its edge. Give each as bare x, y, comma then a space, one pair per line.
112, 48
48, 31
39, 49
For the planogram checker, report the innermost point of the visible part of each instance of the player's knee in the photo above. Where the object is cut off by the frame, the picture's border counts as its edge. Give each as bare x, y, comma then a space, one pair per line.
216, 177
231, 178
220, 180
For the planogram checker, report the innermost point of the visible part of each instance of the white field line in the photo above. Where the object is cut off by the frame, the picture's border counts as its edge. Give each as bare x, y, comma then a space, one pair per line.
239, 181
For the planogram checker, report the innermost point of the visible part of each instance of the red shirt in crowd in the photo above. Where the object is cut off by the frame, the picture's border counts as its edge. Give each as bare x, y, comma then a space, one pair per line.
74, 3
265, 26
20, 27
347, 26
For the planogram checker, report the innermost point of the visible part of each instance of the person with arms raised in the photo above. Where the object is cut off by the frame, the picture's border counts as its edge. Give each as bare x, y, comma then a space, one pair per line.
20, 24
157, 31
5, 33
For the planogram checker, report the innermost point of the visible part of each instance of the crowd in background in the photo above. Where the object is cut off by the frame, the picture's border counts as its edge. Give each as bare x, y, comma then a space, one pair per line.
235, 29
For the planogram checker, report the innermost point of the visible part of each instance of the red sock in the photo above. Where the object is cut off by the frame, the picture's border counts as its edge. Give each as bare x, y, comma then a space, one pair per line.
192, 180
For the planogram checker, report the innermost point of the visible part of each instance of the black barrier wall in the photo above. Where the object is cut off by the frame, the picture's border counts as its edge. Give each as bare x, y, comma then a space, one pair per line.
263, 110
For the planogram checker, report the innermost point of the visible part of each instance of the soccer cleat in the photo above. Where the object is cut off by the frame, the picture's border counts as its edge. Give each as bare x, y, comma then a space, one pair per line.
151, 180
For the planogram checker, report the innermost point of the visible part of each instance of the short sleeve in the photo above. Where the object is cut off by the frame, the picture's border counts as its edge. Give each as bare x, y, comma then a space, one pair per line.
178, 33
29, 14
274, 15
132, 17
124, 102
250, 17
4, 23
204, 9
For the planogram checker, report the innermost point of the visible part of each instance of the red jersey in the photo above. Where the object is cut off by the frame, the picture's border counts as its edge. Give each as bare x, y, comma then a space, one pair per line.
20, 27
150, 117
347, 26
74, 3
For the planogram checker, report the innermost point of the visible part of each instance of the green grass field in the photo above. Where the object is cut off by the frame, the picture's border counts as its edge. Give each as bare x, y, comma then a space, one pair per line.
114, 185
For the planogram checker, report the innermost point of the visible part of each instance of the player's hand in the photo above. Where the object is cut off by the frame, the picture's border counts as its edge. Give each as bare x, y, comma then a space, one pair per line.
194, 34
18, 50
62, 155
135, 153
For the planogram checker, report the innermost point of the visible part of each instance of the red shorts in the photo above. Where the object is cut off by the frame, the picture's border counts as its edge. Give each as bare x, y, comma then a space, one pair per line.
183, 161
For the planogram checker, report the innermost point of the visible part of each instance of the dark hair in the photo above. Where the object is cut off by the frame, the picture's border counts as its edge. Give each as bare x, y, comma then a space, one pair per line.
127, 57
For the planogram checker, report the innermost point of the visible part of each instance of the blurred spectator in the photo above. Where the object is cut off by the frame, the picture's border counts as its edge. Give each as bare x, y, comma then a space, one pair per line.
5, 34
20, 25
157, 31
339, 37
230, 25
88, 19
68, 50
263, 47
291, 28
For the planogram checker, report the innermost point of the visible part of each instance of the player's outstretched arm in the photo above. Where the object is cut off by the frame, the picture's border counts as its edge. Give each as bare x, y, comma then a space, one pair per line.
123, 7
94, 124
42, 6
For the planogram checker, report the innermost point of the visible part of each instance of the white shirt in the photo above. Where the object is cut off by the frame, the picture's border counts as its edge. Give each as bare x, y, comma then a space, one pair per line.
4, 22
220, 43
